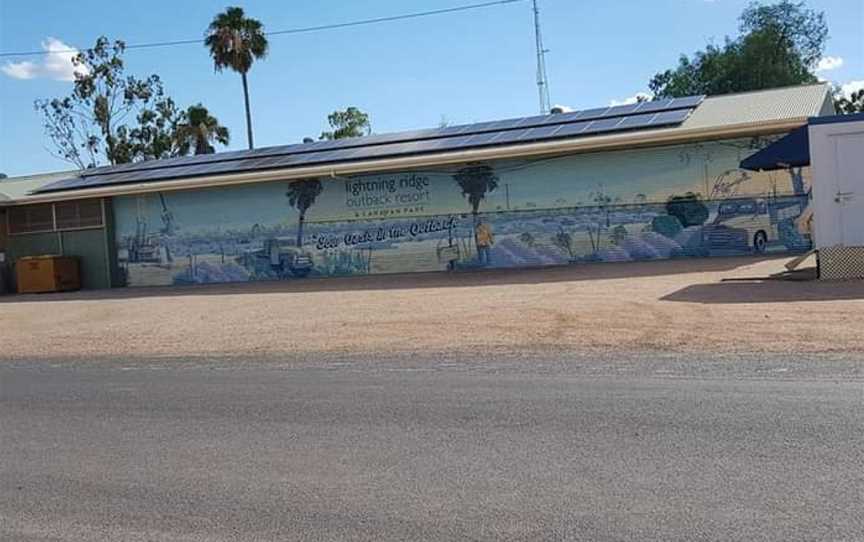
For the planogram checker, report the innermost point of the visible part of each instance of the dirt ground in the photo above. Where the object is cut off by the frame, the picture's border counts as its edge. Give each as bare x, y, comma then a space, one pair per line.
688, 306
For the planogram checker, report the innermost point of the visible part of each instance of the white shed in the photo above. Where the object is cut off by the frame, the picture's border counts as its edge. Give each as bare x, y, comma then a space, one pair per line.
837, 162
837, 165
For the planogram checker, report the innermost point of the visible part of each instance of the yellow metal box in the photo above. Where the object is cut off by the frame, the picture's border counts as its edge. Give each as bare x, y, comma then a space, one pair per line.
47, 274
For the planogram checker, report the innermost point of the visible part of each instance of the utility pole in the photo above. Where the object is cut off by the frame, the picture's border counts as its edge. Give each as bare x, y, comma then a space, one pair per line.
542, 80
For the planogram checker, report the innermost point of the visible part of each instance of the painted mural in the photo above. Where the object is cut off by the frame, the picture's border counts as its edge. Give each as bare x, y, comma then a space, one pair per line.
670, 202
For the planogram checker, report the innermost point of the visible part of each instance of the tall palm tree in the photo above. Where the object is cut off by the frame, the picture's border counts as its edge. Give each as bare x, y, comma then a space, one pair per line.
235, 41
198, 131
301, 195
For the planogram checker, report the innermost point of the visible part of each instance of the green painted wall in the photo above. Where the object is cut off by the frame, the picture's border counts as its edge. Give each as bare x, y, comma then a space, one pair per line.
88, 245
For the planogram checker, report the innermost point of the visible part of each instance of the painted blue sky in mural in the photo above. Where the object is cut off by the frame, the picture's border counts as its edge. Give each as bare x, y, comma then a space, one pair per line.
406, 75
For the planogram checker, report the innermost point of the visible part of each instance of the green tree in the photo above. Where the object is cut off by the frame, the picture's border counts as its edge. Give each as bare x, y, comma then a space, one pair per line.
349, 123
235, 42
688, 209
778, 45
154, 136
301, 196
109, 116
848, 106
198, 131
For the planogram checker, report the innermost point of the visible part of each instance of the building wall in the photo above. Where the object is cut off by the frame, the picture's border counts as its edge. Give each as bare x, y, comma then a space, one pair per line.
67, 236
3, 232
88, 245
5, 281
611, 206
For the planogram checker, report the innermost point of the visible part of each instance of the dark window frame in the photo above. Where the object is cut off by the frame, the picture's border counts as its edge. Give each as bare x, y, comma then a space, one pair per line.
14, 229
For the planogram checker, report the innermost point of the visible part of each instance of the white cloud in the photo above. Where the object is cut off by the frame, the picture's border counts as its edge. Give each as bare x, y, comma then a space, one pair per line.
852, 86
631, 100
828, 63
55, 64
20, 70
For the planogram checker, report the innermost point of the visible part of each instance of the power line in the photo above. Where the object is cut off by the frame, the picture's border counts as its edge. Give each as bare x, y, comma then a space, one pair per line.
301, 30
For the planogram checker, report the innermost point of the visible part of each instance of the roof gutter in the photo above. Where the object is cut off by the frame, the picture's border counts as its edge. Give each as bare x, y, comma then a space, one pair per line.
571, 146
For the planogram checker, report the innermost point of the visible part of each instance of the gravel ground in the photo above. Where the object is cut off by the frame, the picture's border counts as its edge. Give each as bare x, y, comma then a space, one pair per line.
669, 306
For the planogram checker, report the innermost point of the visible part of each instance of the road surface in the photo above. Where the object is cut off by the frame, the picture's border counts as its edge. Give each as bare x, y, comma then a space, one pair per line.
545, 447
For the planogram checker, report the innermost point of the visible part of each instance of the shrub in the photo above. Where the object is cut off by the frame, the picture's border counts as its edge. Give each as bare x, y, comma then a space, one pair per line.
688, 209
666, 225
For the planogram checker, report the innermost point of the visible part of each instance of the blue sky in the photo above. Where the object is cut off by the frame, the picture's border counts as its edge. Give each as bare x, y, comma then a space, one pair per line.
463, 67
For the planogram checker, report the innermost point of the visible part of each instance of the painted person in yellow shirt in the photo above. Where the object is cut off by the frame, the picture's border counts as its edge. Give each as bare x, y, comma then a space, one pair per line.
485, 240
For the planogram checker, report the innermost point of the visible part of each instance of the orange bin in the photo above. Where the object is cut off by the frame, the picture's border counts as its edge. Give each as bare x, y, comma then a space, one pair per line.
36, 274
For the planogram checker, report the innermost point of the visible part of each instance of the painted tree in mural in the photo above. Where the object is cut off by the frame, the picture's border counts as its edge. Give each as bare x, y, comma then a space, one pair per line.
235, 42
604, 202
301, 196
564, 241
797, 176
688, 209
476, 180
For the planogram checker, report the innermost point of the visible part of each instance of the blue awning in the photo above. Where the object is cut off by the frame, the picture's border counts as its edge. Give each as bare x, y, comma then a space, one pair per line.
792, 150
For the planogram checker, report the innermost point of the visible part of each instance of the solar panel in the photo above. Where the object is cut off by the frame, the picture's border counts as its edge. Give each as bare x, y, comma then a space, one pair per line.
541, 131
604, 125
590, 114
574, 129
483, 139
687, 101
620, 110
636, 121
640, 115
671, 117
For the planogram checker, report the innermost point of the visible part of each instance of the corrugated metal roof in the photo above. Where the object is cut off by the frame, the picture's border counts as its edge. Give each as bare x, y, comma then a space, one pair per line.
18, 188
759, 106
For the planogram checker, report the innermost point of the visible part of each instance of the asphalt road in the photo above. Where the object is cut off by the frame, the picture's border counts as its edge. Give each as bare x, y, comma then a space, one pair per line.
448, 448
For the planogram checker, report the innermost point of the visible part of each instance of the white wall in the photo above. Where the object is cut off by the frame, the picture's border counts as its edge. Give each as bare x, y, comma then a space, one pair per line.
837, 164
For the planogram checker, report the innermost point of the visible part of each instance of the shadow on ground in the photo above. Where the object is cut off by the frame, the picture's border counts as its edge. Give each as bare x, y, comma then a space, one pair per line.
767, 291
569, 273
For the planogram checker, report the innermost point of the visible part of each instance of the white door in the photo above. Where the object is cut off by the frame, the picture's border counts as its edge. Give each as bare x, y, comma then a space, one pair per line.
849, 186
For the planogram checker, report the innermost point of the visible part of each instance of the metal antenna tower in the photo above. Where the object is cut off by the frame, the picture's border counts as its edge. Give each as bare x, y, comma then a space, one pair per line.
542, 80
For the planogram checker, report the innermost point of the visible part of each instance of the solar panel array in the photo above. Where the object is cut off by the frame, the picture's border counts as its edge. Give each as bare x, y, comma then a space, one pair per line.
644, 115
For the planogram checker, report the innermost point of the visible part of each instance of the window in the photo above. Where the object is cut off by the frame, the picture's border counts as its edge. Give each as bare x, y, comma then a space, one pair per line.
46, 217
78, 214
747, 208
31, 219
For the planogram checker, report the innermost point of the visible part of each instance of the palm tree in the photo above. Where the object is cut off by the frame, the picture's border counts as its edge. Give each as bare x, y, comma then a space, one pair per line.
475, 181
198, 131
301, 195
235, 42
